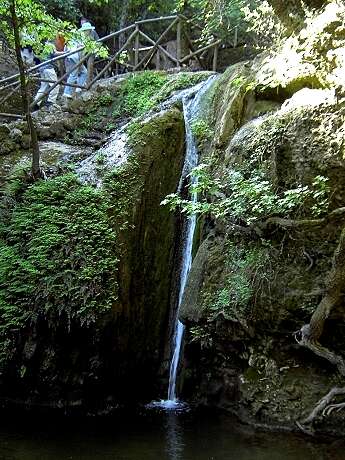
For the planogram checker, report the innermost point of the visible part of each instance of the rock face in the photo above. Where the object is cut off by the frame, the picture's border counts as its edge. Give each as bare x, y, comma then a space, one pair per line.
255, 279
66, 362
88, 255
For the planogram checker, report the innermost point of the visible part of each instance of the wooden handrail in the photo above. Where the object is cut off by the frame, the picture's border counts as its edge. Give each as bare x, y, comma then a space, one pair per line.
100, 40
201, 50
174, 18
11, 115
177, 20
69, 53
8, 95
130, 38
172, 58
150, 54
63, 83
162, 18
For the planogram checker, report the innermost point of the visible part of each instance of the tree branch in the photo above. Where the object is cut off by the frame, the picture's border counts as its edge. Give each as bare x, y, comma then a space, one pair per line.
338, 213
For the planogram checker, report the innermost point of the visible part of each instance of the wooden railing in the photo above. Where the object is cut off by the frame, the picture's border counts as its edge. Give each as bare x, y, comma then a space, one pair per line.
130, 49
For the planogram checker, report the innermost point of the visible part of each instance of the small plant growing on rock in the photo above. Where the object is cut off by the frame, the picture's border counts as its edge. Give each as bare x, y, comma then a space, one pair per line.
249, 197
202, 131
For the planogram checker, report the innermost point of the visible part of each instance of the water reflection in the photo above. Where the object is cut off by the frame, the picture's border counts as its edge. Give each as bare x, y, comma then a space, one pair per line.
154, 436
174, 436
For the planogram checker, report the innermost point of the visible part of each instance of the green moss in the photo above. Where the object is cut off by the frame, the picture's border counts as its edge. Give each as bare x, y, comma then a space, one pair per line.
146, 90
122, 187
179, 82
136, 94
104, 100
201, 131
141, 133
58, 254
233, 298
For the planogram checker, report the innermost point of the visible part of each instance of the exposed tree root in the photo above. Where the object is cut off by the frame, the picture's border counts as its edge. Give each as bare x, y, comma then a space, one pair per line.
324, 405
337, 407
304, 339
308, 336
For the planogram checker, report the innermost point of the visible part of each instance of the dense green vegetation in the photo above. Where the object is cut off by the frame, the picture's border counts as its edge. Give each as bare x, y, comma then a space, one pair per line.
254, 19
58, 254
250, 196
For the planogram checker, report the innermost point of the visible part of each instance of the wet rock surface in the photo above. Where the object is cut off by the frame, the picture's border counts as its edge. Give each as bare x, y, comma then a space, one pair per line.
251, 287
46, 366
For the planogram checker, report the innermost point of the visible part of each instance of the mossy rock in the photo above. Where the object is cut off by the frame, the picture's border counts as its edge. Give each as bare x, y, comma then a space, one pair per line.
229, 102
102, 345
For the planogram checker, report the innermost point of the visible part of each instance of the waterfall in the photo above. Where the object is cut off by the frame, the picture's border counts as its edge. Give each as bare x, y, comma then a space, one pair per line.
192, 110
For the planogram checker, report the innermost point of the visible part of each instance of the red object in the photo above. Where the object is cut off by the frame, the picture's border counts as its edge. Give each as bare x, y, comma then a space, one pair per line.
60, 42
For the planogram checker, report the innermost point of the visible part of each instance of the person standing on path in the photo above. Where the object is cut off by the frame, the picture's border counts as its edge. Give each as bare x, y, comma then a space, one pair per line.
79, 74
48, 78
93, 34
47, 72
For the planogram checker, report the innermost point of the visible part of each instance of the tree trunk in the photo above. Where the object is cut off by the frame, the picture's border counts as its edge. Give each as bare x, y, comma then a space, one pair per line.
310, 333
123, 21
35, 167
335, 291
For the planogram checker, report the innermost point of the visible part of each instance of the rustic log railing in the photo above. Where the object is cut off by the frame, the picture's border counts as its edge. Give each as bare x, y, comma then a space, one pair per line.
136, 53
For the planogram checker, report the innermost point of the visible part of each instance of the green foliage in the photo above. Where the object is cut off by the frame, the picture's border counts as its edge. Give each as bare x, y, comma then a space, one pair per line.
138, 90
254, 197
57, 254
243, 266
249, 196
218, 17
234, 296
178, 82
320, 194
262, 23
63, 9
201, 131
202, 336
39, 28
70, 9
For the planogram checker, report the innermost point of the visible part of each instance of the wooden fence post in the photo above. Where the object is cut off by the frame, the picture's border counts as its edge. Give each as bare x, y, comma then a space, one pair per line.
178, 42
90, 66
236, 36
158, 60
146, 59
215, 57
136, 45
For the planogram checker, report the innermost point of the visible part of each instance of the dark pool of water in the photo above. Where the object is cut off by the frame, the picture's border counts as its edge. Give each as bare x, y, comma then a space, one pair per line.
153, 436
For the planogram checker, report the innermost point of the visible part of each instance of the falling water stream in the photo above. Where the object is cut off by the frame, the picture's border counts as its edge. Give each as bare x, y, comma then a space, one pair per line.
192, 108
